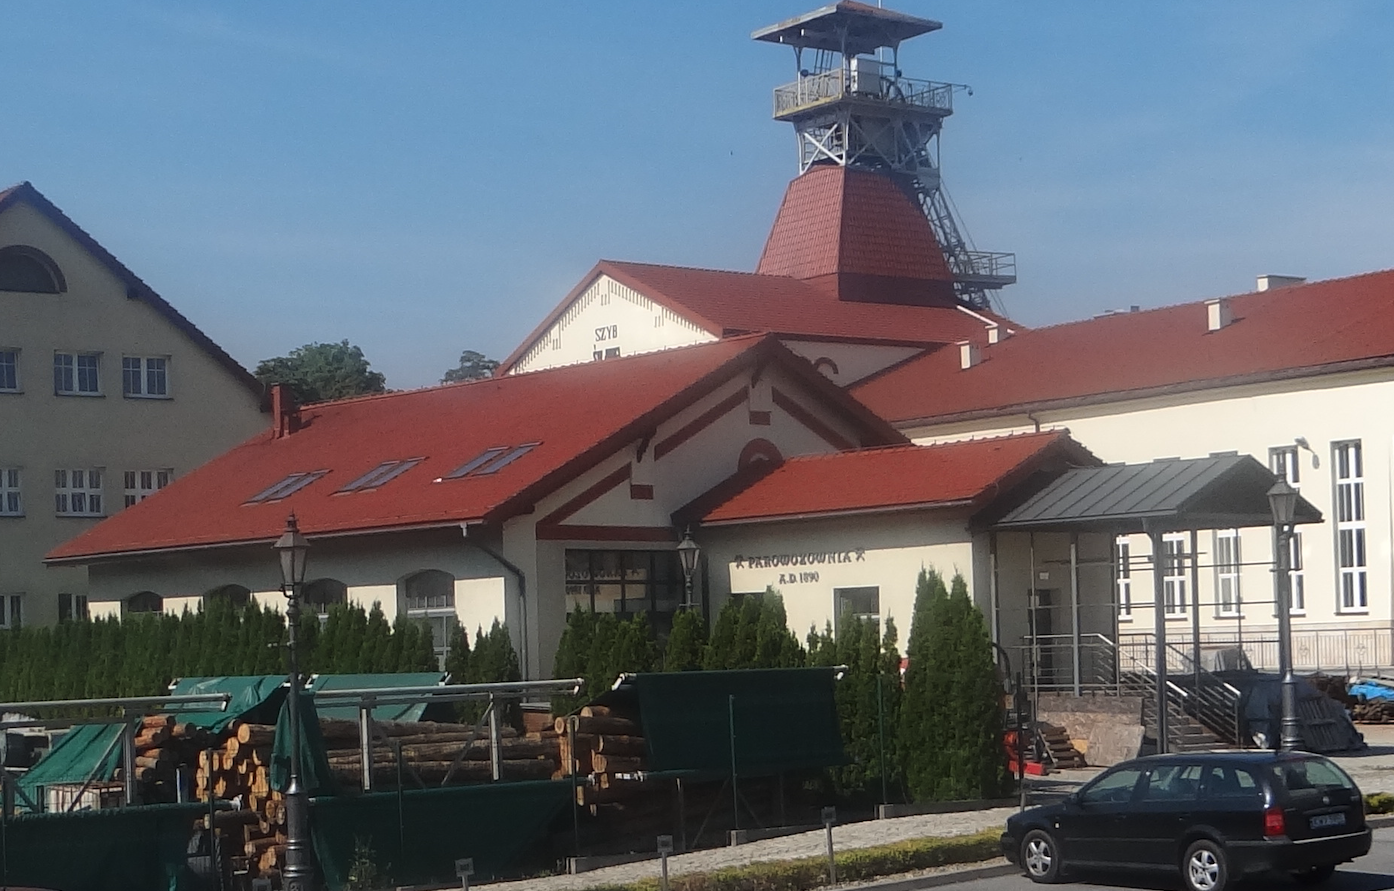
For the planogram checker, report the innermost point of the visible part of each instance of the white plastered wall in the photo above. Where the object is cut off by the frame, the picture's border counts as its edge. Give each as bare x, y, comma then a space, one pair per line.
853, 361
609, 316
1251, 420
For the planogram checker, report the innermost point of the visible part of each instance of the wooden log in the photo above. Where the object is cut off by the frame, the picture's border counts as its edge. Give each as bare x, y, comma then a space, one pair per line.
616, 764
160, 759
230, 819
151, 737
597, 724
256, 846
256, 734
261, 756
621, 745
156, 721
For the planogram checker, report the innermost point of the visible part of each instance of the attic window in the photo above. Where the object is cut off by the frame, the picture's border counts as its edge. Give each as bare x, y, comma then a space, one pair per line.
28, 269
491, 460
380, 475
288, 486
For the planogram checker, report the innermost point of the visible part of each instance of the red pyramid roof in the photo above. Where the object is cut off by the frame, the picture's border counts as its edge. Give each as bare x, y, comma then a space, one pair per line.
849, 229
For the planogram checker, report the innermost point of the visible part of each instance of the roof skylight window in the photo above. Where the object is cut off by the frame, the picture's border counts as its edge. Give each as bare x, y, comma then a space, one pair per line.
380, 475
490, 461
288, 486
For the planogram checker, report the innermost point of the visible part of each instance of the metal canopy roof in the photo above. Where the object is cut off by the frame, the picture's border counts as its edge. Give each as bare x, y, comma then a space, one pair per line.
1218, 492
847, 27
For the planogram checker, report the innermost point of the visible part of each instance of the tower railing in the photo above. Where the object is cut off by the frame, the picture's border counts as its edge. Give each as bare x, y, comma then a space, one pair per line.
812, 90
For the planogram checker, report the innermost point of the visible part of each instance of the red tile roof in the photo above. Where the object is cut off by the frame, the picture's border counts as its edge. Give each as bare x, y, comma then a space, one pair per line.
841, 220
970, 473
135, 287
727, 303
579, 415
1295, 331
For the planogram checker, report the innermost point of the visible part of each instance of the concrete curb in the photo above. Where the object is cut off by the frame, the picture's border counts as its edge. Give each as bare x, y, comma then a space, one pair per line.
1379, 821
988, 869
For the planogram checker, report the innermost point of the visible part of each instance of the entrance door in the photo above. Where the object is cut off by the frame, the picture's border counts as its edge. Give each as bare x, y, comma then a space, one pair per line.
1042, 640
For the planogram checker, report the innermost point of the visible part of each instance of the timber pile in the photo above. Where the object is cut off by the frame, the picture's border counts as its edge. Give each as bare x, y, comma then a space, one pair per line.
608, 748
1373, 711
438, 754
238, 769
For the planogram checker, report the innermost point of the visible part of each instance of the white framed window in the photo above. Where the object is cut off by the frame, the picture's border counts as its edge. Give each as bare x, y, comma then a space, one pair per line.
78, 493
11, 495
1227, 565
1297, 604
1352, 584
145, 376
857, 603
1123, 577
1176, 580
9, 371
1282, 460
11, 611
72, 606
77, 374
141, 484
430, 599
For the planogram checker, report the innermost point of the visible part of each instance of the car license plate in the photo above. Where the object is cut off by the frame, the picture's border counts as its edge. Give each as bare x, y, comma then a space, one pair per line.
1324, 821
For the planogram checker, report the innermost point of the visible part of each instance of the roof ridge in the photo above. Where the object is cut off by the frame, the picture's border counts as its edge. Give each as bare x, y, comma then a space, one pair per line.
1275, 292
915, 446
697, 269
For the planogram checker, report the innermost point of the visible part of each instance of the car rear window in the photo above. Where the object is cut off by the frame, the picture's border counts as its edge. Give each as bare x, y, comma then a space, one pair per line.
1310, 774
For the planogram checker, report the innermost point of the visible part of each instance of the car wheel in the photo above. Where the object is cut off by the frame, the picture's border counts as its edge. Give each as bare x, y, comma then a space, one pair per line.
1314, 875
1204, 867
1040, 856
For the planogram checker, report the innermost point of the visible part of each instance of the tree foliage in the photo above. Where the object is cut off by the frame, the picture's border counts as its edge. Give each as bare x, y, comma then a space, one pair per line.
753, 632
140, 654
950, 737
473, 366
868, 701
317, 372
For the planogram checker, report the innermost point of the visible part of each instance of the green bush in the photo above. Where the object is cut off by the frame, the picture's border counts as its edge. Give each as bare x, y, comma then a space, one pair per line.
1379, 803
950, 736
868, 702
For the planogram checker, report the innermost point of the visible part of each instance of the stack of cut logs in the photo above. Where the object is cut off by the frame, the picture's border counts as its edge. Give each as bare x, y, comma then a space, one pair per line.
434, 753
1373, 711
608, 748
239, 770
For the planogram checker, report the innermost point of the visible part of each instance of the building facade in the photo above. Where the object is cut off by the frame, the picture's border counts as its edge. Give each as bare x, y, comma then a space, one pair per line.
106, 395
1293, 376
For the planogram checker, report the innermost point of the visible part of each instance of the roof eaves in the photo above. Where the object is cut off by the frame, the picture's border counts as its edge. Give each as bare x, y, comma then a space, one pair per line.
846, 512
136, 287
1116, 396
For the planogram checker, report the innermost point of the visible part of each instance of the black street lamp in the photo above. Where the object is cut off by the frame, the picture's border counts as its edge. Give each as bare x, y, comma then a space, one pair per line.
1282, 499
300, 872
687, 552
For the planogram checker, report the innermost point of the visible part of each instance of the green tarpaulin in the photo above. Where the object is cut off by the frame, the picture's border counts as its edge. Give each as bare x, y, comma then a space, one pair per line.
88, 750
314, 764
126, 849
782, 719
415, 837
255, 698
326, 683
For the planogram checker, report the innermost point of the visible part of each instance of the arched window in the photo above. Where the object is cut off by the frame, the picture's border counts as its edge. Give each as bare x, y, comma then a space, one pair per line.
430, 599
430, 589
321, 594
234, 594
23, 268
144, 602
759, 450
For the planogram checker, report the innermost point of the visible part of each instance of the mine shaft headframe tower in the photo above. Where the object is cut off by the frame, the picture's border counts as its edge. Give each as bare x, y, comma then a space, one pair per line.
851, 108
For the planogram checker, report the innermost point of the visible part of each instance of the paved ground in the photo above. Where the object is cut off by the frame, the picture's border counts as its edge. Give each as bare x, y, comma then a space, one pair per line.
807, 844
1372, 770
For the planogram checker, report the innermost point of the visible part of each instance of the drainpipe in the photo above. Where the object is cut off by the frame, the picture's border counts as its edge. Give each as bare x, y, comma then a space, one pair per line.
522, 596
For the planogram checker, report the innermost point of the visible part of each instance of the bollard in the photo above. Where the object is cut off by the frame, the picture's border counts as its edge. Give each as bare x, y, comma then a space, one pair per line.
829, 818
665, 847
464, 868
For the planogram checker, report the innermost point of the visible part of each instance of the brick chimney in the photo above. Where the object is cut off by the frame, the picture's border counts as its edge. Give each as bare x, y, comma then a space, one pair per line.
285, 411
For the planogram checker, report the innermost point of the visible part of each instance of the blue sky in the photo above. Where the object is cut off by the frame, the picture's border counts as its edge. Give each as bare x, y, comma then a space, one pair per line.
423, 178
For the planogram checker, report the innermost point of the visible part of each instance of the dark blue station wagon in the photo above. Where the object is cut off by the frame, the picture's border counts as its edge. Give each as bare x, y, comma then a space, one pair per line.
1214, 817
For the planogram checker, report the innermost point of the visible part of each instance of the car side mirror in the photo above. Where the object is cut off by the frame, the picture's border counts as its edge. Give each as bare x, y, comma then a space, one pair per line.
1073, 798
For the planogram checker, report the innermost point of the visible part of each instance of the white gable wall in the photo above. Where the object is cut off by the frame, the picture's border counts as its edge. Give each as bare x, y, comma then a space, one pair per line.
609, 316
846, 363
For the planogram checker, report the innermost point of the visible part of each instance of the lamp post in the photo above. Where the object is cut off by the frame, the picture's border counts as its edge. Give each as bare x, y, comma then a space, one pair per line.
299, 874
687, 552
1282, 499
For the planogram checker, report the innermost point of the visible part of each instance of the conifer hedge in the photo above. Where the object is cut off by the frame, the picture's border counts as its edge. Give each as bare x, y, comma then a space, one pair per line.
140, 654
